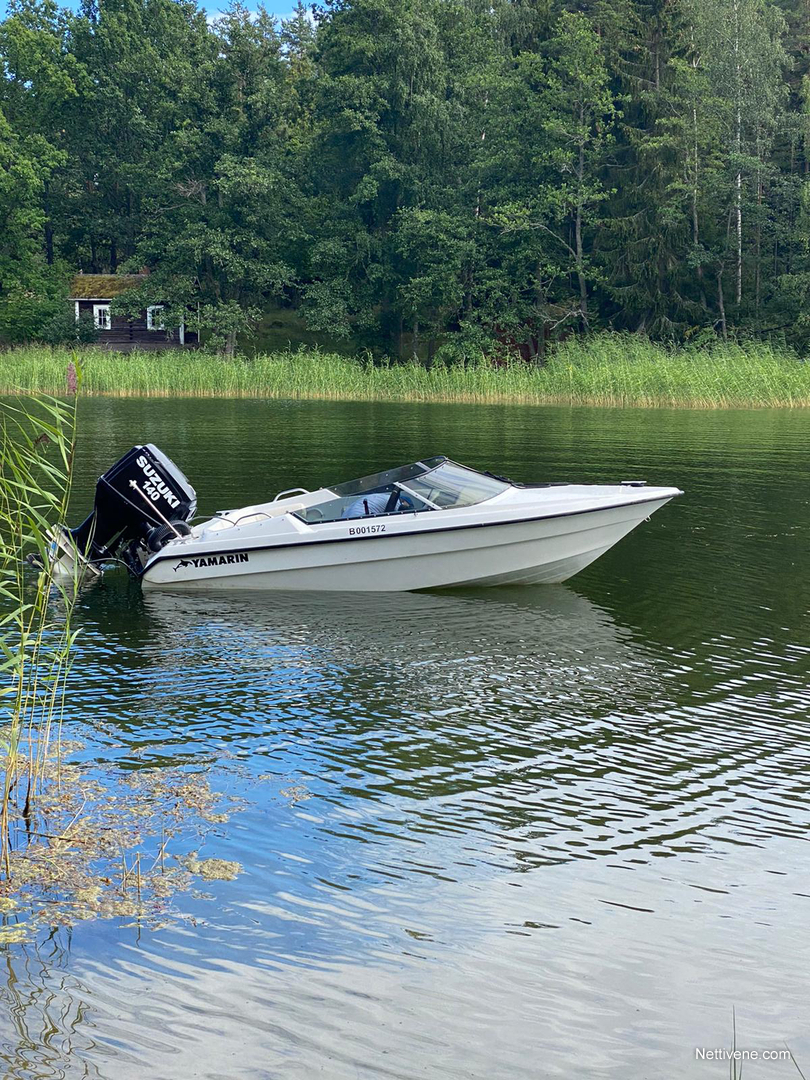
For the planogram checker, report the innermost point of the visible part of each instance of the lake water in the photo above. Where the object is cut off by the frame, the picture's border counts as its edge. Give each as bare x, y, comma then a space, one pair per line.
537, 832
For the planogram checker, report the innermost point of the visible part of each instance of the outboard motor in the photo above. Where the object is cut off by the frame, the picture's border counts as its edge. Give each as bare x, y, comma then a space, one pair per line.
142, 502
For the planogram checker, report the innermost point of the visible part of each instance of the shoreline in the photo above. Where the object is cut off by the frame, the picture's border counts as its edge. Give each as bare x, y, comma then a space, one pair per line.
535, 402
606, 371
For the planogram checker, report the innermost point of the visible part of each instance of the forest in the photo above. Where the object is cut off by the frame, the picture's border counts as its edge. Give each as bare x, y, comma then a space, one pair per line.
436, 179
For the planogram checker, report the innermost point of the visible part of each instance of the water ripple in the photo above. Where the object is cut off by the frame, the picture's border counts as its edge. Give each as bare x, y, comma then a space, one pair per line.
505, 833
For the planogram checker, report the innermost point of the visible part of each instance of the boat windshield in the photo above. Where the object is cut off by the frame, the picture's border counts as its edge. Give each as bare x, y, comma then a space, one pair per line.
432, 484
402, 475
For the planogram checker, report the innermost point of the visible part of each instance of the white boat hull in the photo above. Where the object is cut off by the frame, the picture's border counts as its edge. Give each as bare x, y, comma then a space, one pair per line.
546, 549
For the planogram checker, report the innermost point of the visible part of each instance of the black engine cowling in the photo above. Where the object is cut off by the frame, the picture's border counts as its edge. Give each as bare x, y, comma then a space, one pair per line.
136, 497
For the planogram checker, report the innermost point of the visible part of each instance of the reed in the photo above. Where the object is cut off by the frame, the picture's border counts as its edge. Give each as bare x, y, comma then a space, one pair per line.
36, 466
66, 827
606, 369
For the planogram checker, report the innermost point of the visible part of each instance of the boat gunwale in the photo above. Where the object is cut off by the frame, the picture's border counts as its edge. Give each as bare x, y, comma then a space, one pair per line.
300, 542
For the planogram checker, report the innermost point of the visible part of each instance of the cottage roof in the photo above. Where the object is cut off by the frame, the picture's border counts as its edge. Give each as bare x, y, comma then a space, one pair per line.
102, 286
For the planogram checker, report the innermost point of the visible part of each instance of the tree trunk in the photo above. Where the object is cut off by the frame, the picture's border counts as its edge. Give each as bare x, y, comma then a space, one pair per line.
48, 226
758, 268
541, 345
657, 55
583, 285
415, 342
48, 242
129, 235
695, 223
738, 147
721, 305
431, 351
738, 230
483, 139
230, 344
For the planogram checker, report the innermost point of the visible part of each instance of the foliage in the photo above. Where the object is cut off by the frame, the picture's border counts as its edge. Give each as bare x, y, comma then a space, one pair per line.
63, 328
425, 178
42, 313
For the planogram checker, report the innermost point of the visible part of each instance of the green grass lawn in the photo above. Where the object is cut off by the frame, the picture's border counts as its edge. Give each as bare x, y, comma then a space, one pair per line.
609, 369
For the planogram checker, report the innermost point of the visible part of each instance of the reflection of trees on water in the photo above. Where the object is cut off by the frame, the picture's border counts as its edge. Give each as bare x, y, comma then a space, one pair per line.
415, 680
532, 717
529, 715
44, 1028
485, 711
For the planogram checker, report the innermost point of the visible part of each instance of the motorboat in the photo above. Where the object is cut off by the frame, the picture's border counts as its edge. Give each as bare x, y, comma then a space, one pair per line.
432, 524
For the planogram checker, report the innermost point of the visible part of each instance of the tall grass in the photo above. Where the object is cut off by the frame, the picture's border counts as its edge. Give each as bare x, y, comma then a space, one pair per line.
36, 466
607, 369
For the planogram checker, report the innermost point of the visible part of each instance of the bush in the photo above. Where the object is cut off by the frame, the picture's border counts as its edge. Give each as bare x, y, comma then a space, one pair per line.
46, 319
22, 316
63, 328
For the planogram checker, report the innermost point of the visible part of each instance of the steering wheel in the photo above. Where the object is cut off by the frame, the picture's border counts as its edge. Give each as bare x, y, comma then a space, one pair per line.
313, 511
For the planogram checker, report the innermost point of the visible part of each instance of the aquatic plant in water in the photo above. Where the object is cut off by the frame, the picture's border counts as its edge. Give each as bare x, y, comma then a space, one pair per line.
37, 446
77, 841
603, 369
107, 843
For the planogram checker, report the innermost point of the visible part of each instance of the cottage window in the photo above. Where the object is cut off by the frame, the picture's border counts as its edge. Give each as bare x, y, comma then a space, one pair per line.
101, 316
154, 319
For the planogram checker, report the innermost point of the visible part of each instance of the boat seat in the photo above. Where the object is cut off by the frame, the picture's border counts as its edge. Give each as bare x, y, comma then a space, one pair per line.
232, 519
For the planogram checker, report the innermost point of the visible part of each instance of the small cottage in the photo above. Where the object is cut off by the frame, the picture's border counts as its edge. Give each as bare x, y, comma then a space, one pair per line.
93, 293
